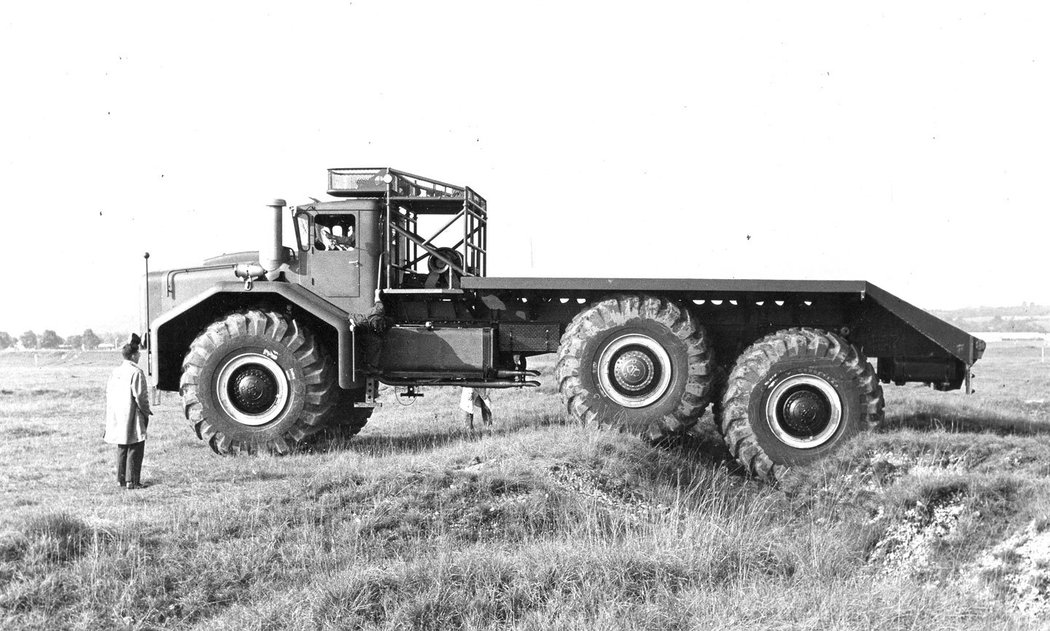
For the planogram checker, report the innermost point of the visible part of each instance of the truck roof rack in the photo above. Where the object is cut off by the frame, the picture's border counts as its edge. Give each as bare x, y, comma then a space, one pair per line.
384, 181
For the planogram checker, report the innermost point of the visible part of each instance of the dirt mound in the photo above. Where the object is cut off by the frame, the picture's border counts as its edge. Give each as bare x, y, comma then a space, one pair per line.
907, 544
1018, 570
604, 490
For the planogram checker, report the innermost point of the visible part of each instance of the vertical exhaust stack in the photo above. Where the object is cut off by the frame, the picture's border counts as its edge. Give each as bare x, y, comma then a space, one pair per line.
271, 256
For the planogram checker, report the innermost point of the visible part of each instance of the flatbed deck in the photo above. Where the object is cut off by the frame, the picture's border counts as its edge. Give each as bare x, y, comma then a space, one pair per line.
954, 341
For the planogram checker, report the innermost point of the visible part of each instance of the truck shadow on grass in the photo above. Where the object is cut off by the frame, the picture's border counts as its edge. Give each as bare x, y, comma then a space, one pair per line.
382, 444
953, 420
413, 442
703, 445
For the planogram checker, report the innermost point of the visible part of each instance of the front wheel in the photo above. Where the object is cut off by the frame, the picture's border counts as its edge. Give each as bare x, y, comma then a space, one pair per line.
795, 396
255, 381
347, 418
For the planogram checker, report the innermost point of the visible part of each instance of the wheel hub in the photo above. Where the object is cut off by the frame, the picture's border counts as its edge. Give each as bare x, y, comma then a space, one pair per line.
633, 370
251, 388
804, 411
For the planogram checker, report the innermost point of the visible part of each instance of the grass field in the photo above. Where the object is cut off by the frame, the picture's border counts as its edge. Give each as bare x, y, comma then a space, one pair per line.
941, 519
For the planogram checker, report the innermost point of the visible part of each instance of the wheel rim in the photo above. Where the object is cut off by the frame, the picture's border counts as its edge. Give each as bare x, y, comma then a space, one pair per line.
252, 389
634, 370
804, 411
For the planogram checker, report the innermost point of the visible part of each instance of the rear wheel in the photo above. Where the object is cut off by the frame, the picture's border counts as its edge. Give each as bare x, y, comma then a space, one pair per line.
256, 381
795, 396
638, 363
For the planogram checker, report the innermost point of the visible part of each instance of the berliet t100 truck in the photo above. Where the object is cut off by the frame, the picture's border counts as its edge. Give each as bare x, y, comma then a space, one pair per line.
387, 284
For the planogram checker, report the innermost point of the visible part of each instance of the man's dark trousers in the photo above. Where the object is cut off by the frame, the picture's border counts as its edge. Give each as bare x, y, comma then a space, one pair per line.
129, 460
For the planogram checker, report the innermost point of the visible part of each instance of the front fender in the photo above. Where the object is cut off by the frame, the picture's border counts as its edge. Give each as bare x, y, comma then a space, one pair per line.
173, 331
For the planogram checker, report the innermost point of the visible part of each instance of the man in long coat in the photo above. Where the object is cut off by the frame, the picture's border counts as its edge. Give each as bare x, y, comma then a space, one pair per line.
127, 416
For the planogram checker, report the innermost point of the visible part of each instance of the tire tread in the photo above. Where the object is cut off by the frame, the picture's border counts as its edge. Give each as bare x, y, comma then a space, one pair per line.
318, 378
731, 414
618, 310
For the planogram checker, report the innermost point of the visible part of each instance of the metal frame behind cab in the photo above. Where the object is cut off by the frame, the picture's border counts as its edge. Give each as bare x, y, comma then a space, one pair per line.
406, 254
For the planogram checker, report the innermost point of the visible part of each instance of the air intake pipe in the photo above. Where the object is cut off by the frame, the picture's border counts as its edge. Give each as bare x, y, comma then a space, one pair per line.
272, 255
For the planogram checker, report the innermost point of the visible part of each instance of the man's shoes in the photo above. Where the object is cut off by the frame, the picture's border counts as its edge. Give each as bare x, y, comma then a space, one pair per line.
122, 485
135, 485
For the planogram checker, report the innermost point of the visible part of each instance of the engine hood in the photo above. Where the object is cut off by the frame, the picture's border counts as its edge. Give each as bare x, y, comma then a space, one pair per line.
249, 256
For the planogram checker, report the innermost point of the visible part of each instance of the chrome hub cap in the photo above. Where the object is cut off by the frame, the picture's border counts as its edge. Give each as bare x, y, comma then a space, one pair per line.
252, 389
804, 411
634, 370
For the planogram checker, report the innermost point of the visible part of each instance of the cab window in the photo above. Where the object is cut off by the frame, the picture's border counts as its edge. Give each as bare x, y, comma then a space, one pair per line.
302, 231
334, 232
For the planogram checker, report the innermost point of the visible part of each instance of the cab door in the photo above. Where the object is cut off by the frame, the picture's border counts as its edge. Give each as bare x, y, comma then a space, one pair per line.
335, 264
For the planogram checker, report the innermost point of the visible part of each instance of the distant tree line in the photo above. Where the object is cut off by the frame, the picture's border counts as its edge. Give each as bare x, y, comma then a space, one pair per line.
49, 339
1025, 309
999, 324
1026, 317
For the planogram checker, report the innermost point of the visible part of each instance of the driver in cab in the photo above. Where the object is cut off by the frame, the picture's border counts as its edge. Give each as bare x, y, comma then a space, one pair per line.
328, 240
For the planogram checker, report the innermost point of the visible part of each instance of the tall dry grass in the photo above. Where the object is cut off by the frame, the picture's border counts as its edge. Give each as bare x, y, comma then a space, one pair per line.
536, 525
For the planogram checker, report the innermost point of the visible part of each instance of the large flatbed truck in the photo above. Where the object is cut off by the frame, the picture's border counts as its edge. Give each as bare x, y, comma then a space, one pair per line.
386, 284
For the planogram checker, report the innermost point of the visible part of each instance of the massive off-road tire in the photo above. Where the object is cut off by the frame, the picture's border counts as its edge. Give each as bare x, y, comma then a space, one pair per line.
345, 419
636, 363
256, 381
793, 397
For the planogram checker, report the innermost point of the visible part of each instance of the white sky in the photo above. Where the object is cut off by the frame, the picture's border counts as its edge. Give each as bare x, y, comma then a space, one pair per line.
903, 143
